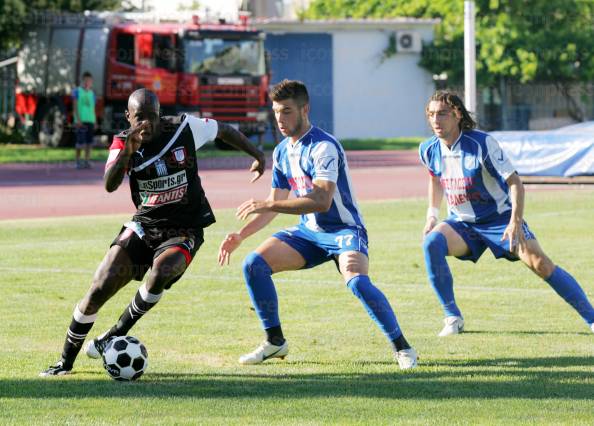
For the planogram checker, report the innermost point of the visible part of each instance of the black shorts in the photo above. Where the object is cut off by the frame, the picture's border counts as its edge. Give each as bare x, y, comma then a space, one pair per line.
142, 251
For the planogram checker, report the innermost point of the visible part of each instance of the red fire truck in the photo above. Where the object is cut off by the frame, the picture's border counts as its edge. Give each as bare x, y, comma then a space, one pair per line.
215, 70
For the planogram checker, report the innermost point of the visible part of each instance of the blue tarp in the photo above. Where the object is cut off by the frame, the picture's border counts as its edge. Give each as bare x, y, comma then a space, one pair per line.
567, 151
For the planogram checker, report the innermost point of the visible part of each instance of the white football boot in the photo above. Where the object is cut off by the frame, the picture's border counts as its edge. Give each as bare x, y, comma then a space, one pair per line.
407, 358
94, 348
263, 352
452, 325
56, 370
592, 326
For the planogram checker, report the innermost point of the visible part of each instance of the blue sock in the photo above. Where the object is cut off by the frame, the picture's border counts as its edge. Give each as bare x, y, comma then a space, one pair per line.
435, 248
258, 277
376, 304
568, 288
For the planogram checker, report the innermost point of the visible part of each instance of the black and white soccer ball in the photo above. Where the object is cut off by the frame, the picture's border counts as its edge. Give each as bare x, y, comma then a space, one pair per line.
125, 358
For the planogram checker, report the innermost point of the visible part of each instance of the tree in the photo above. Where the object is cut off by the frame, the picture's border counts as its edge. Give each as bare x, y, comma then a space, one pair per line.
15, 15
188, 6
527, 41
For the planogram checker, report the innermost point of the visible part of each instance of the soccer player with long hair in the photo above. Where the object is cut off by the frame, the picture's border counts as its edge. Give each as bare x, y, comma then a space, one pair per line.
485, 200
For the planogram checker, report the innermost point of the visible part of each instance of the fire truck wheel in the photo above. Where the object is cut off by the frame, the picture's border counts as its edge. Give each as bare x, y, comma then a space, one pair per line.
52, 130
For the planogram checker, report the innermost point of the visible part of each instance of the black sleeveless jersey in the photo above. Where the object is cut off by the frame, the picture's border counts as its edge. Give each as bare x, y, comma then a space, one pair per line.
163, 174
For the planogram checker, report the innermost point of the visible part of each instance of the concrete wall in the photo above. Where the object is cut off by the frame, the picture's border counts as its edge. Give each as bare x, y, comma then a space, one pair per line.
374, 99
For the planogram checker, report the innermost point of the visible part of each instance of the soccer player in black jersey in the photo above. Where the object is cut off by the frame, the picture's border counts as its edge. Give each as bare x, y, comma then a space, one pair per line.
159, 156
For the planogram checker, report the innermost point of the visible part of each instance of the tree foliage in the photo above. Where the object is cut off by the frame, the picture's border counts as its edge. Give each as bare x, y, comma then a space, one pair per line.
15, 15
550, 41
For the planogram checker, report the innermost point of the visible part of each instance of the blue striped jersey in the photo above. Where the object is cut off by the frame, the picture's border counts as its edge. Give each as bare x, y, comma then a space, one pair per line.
473, 174
317, 155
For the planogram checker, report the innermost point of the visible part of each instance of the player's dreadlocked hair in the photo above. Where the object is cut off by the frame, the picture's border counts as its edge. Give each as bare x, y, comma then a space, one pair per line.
453, 101
290, 89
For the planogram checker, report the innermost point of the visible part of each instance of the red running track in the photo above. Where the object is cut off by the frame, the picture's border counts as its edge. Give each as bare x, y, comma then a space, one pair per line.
50, 190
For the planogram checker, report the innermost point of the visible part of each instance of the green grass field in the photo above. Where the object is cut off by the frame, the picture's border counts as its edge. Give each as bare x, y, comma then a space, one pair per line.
526, 358
17, 153
38, 154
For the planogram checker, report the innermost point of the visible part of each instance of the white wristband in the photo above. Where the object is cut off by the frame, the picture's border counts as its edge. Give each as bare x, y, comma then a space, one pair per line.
433, 212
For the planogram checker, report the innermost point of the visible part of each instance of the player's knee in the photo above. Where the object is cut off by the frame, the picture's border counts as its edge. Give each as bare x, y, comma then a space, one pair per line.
350, 266
255, 266
165, 271
162, 278
94, 299
166, 268
435, 243
542, 266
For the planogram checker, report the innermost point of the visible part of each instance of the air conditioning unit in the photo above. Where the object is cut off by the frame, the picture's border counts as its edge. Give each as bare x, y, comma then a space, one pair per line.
408, 42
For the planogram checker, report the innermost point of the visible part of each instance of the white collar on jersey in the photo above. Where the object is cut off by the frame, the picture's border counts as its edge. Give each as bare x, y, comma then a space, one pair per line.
298, 141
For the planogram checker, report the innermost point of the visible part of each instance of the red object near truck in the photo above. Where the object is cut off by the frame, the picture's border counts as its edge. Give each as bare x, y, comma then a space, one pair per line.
212, 70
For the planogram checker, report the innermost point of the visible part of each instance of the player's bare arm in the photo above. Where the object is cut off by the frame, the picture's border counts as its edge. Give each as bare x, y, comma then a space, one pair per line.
258, 221
435, 195
114, 175
513, 233
238, 140
318, 200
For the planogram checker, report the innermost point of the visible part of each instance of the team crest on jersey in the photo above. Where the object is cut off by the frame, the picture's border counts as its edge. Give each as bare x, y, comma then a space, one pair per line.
180, 155
470, 162
161, 167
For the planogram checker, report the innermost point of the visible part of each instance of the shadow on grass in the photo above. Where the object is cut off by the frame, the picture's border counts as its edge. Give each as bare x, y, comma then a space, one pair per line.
498, 378
529, 332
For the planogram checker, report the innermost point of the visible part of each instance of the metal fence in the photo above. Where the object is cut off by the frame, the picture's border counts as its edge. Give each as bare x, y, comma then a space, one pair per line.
532, 106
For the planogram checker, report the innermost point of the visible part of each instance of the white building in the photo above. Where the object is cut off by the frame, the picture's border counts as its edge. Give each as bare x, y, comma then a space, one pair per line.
371, 95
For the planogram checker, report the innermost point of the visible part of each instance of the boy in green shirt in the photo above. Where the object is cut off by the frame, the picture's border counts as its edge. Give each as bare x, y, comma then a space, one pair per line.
83, 99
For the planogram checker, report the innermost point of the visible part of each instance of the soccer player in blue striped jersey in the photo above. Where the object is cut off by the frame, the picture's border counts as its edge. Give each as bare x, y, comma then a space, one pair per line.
312, 164
485, 199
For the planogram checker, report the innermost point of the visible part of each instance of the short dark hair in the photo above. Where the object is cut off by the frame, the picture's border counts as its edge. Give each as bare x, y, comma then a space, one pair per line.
87, 74
142, 98
453, 101
290, 89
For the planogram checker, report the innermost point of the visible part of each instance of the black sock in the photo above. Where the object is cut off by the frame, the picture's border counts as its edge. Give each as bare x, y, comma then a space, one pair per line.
275, 335
75, 336
143, 301
400, 343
